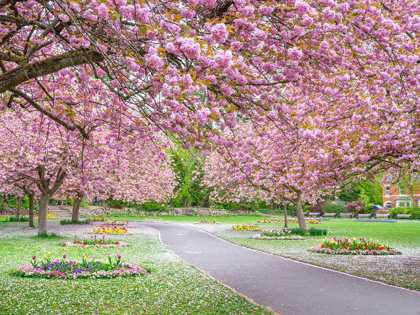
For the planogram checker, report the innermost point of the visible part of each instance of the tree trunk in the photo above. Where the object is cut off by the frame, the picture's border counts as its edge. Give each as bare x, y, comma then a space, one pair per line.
285, 214
17, 212
271, 204
185, 199
299, 213
76, 208
42, 215
31, 210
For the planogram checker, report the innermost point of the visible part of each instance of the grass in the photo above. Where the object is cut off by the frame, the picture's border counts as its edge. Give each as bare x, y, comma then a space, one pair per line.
173, 287
397, 270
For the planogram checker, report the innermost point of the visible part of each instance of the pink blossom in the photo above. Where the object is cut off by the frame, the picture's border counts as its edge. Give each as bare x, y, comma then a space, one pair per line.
219, 33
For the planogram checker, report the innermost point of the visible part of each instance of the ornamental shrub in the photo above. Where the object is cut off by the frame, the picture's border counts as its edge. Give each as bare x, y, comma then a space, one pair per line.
334, 207
69, 222
317, 232
415, 212
153, 206
355, 207
298, 231
318, 207
119, 204
21, 219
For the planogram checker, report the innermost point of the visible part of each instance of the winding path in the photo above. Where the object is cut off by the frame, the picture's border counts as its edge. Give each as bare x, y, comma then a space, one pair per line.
286, 286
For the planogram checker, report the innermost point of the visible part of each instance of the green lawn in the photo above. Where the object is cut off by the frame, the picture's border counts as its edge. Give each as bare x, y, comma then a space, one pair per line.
173, 287
398, 270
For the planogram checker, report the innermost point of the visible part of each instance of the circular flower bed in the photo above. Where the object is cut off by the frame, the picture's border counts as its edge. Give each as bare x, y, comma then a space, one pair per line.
67, 269
97, 219
94, 242
245, 227
288, 237
206, 222
361, 246
109, 230
283, 234
292, 220
122, 223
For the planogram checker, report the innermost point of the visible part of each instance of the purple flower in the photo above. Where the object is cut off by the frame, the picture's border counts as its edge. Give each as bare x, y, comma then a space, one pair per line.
109, 254
33, 257
64, 256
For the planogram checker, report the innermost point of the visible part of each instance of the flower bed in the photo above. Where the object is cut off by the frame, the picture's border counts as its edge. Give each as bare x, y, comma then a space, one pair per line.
206, 222
67, 269
126, 223
245, 227
109, 230
286, 237
94, 241
93, 219
292, 220
361, 246
283, 234
52, 216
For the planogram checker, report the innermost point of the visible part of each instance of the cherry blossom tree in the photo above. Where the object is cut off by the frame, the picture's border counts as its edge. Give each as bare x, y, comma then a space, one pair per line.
156, 59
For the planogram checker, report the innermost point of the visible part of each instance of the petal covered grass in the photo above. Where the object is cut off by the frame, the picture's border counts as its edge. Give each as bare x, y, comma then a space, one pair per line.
173, 287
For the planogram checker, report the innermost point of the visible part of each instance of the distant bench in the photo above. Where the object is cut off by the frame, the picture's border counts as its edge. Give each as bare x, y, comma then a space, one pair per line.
313, 214
346, 215
404, 216
330, 215
363, 216
382, 216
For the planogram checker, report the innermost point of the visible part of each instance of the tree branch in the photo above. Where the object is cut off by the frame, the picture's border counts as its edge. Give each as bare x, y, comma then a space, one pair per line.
18, 75
27, 98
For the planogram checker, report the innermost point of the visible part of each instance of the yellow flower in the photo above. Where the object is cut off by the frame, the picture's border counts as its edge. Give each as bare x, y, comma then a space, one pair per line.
354, 238
45, 256
106, 262
377, 241
85, 258
49, 254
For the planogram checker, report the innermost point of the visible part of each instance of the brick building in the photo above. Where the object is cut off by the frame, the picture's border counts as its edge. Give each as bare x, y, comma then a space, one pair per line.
398, 195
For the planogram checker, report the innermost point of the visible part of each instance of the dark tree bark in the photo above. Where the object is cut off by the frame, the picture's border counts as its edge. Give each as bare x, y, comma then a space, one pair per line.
42, 214
31, 210
20, 74
76, 209
285, 214
299, 213
17, 212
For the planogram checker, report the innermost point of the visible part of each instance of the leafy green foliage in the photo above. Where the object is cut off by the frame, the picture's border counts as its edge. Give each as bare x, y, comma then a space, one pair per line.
415, 212
351, 192
70, 222
118, 204
188, 166
298, 231
337, 207
317, 232
21, 219
237, 206
365, 200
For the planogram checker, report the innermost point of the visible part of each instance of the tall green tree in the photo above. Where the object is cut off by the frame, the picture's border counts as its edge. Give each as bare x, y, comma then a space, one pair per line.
188, 166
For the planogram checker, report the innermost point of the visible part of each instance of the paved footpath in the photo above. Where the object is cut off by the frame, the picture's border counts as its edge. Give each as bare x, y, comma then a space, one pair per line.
286, 286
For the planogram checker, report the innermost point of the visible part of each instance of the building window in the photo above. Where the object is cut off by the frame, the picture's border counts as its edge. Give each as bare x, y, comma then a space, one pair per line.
402, 189
388, 190
388, 204
405, 204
